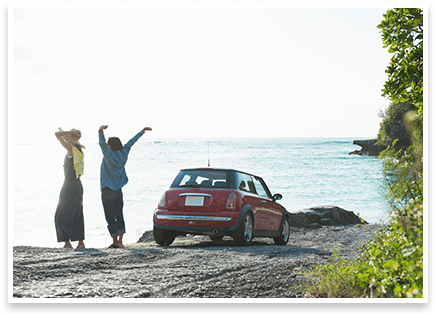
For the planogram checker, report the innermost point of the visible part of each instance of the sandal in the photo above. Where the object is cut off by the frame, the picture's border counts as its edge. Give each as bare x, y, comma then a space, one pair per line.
114, 246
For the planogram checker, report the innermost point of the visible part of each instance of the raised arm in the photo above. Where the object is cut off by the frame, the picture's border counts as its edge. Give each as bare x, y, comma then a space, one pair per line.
130, 143
60, 136
102, 140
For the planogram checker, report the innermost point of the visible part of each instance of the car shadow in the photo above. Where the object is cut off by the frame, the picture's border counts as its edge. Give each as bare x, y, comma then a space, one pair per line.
259, 246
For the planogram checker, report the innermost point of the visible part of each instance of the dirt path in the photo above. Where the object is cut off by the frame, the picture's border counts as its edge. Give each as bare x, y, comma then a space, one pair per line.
192, 267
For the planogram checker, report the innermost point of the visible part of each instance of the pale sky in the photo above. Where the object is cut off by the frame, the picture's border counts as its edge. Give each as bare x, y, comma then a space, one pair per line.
208, 72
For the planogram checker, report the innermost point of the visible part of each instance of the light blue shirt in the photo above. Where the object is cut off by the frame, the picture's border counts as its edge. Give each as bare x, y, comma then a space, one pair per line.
112, 172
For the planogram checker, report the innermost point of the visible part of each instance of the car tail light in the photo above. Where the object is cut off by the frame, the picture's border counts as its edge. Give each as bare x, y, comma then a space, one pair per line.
231, 201
162, 201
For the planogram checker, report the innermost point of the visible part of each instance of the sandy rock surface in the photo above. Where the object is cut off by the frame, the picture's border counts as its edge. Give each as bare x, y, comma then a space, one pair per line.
192, 267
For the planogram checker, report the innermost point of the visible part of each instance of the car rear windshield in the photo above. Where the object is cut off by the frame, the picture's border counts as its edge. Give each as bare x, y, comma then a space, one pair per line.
211, 179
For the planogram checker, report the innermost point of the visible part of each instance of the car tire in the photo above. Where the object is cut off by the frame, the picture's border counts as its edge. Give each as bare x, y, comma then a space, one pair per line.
163, 237
285, 228
244, 233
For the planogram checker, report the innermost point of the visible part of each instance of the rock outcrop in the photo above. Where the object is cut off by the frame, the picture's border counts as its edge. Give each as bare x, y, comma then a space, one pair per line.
369, 148
316, 217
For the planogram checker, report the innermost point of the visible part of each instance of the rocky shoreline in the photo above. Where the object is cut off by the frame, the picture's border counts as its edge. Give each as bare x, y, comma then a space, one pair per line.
192, 267
369, 147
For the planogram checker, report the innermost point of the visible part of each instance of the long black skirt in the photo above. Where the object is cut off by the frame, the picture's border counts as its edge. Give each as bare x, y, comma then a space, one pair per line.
69, 213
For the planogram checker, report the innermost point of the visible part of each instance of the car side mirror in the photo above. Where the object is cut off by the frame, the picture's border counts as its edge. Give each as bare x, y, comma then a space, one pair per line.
277, 197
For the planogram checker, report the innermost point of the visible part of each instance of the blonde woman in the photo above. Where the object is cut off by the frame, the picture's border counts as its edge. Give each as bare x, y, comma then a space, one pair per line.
69, 213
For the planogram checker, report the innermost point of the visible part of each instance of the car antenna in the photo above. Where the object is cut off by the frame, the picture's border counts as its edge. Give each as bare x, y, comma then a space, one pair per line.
208, 160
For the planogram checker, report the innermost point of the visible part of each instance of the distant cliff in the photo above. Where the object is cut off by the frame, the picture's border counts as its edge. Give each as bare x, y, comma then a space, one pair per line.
369, 148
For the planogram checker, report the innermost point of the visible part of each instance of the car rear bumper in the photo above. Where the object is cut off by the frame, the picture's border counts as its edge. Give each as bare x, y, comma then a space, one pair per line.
198, 224
194, 218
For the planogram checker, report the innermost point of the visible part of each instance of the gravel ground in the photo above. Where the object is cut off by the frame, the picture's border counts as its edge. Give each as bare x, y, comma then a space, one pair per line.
192, 267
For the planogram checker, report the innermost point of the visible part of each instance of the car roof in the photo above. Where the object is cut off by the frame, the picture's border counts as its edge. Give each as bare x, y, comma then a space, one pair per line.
219, 169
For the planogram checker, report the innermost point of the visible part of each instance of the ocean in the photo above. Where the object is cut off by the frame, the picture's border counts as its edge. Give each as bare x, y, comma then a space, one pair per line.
308, 172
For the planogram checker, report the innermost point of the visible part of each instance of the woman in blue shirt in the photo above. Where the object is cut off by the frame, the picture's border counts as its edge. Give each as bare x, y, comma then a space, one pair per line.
112, 178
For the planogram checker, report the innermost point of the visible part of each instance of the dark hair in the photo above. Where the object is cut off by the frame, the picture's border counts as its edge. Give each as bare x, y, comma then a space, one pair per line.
79, 147
115, 143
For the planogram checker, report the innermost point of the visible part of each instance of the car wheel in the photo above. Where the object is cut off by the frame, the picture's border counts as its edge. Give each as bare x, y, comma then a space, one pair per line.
284, 233
244, 234
163, 237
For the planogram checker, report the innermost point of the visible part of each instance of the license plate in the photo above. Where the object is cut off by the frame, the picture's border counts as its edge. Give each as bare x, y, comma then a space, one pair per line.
194, 201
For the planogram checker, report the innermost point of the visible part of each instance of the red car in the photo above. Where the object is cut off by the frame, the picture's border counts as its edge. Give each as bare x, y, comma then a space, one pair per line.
218, 203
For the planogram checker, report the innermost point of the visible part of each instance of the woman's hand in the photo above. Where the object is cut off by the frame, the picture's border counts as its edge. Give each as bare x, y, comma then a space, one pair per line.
147, 129
76, 132
103, 127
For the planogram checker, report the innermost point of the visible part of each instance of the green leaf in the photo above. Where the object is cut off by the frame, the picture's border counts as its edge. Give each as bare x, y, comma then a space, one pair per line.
391, 264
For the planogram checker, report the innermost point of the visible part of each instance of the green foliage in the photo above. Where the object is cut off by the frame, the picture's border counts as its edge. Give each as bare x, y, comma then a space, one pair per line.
390, 266
338, 279
403, 177
393, 126
414, 124
402, 33
394, 257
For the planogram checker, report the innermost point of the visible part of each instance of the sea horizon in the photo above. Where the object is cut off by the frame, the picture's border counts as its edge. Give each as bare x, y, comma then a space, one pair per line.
149, 137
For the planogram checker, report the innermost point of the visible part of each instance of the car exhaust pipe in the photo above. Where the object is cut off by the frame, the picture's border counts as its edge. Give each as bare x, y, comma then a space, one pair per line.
215, 231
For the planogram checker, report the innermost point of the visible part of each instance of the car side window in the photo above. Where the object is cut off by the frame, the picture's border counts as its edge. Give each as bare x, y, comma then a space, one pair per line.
260, 188
245, 183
